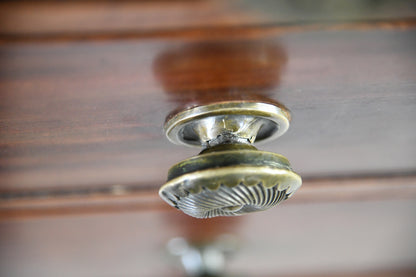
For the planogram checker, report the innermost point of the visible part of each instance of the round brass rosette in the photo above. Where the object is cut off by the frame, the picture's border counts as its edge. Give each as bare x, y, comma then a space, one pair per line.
230, 176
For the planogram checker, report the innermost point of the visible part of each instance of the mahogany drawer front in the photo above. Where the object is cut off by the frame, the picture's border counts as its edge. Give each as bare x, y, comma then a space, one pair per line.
85, 88
88, 113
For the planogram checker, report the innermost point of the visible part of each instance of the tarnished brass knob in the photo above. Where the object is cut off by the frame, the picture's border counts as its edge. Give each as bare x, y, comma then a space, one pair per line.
230, 176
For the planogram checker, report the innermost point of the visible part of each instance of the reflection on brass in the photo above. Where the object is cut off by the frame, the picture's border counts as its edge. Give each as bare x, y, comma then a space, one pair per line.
230, 176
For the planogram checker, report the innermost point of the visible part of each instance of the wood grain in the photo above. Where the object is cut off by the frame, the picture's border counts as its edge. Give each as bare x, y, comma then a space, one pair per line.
317, 239
26, 18
137, 198
85, 87
83, 114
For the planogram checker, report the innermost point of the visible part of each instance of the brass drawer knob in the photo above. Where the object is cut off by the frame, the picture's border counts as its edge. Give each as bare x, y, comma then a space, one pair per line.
230, 176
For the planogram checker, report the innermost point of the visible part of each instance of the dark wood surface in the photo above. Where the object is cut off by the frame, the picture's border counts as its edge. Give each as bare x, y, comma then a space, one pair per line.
60, 18
85, 88
120, 199
358, 238
85, 113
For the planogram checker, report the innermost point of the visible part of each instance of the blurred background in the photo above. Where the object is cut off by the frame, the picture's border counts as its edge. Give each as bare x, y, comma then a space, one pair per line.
85, 88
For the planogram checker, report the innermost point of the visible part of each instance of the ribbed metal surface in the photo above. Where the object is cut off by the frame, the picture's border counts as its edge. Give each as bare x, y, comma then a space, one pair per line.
230, 201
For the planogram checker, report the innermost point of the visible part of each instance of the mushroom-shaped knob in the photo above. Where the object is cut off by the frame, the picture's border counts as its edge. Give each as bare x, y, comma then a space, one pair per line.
230, 176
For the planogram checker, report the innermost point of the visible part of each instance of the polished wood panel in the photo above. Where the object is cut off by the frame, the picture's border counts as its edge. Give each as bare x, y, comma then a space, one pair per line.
59, 18
91, 113
136, 198
316, 239
85, 87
